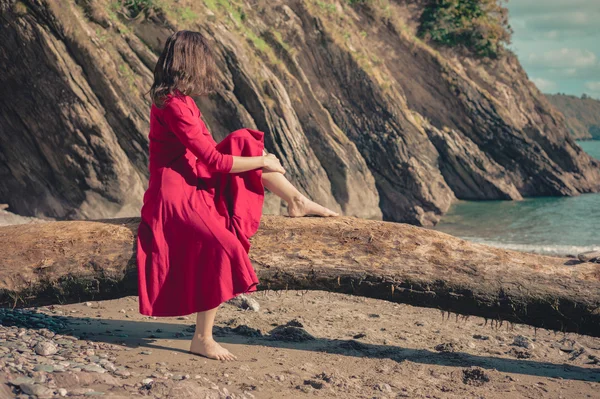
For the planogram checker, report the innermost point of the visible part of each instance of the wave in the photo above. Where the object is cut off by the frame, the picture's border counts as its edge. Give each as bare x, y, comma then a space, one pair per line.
542, 249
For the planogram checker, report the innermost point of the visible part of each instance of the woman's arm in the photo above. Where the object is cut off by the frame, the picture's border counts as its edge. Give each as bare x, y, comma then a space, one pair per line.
182, 122
269, 163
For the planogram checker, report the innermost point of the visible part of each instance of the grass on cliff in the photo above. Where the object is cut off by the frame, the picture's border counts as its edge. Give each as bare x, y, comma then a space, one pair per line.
480, 26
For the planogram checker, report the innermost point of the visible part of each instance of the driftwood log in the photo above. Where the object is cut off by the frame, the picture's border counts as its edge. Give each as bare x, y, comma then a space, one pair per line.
59, 262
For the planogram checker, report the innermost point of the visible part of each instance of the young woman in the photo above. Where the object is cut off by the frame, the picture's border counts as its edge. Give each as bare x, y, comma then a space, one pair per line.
204, 200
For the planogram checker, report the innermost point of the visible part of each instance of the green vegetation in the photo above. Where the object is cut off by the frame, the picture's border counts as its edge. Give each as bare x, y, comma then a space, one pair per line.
129, 76
19, 8
136, 7
329, 7
480, 26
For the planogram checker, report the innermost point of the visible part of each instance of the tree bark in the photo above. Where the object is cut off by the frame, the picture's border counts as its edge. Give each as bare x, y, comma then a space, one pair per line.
73, 261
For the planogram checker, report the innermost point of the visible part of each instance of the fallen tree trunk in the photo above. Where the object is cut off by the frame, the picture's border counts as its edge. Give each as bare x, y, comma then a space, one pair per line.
74, 261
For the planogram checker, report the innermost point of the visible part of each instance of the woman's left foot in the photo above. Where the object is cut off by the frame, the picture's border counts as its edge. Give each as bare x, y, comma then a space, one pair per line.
208, 347
302, 206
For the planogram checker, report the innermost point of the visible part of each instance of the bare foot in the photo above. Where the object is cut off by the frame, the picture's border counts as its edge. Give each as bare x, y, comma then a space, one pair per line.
302, 206
208, 347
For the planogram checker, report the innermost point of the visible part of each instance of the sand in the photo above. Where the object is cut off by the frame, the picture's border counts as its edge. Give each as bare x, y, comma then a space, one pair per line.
313, 344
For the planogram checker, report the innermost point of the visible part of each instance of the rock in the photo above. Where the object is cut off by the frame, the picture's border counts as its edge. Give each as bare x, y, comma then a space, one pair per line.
315, 384
447, 347
122, 373
147, 381
383, 387
48, 368
351, 140
62, 392
520, 353
36, 390
475, 376
45, 348
481, 337
93, 368
245, 302
590, 256
582, 115
523, 342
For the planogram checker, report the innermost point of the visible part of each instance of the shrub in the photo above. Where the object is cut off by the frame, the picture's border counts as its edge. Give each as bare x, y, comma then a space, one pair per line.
136, 7
481, 26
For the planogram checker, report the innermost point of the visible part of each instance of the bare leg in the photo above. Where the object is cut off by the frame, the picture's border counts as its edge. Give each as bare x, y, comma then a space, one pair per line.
298, 204
203, 342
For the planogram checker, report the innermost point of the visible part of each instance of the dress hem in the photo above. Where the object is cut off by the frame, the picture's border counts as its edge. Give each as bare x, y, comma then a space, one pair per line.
251, 288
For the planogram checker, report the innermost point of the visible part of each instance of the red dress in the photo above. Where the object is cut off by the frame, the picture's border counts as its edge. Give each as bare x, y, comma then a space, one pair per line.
196, 218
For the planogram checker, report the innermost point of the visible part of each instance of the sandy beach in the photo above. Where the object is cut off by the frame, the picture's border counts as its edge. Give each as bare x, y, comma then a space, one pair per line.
296, 344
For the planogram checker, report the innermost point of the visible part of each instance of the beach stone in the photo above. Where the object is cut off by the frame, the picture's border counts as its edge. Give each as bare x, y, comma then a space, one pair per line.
36, 390
21, 380
446, 347
45, 348
245, 302
122, 373
62, 392
589, 256
48, 368
93, 368
315, 384
523, 342
383, 387
80, 391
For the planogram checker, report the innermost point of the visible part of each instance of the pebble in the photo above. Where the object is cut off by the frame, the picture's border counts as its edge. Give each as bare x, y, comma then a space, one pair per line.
93, 368
62, 392
44, 367
36, 390
245, 302
45, 348
383, 387
523, 342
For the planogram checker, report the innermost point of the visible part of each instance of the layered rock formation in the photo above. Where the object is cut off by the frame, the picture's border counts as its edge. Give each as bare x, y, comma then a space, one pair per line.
582, 115
366, 118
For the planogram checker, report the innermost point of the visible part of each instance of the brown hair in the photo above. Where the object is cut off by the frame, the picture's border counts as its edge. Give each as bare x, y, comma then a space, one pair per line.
187, 65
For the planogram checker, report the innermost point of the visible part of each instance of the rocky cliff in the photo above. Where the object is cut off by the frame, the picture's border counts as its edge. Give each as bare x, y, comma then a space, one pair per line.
366, 118
582, 115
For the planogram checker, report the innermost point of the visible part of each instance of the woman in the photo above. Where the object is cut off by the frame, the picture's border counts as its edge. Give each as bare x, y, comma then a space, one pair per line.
204, 200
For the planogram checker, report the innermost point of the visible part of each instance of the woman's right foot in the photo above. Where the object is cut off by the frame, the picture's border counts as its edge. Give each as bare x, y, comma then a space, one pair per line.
208, 347
302, 206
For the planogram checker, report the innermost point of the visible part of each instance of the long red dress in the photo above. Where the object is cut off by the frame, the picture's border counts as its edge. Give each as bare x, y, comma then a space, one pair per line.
196, 218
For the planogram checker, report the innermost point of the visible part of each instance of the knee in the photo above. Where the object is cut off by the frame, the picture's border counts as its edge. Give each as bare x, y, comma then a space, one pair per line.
243, 134
249, 139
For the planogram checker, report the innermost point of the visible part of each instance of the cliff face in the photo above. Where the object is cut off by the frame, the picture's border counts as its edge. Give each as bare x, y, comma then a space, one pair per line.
366, 118
582, 115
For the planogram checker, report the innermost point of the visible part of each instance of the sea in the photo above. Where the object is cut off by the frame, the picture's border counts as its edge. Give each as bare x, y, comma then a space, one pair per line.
546, 225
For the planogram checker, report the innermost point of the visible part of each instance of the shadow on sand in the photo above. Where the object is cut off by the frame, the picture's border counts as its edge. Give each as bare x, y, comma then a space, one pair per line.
143, 334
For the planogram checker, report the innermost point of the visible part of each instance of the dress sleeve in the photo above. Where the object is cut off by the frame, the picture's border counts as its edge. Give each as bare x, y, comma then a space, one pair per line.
189, 130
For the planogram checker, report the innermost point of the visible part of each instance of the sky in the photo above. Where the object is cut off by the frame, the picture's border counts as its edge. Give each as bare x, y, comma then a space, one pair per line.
558, 43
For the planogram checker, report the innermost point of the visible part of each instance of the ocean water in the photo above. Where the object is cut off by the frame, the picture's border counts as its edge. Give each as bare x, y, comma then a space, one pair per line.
547, 225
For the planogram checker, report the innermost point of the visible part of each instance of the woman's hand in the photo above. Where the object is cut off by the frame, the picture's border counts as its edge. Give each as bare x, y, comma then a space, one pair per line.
272, 164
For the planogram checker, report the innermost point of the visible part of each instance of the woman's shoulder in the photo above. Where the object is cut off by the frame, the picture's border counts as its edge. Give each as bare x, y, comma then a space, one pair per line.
175, 102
